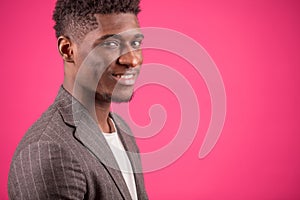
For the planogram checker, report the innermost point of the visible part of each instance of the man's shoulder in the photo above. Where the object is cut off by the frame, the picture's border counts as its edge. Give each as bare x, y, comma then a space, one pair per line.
49, 119
49, 127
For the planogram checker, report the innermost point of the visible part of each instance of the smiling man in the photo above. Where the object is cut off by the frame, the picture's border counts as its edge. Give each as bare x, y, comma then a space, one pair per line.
78, 149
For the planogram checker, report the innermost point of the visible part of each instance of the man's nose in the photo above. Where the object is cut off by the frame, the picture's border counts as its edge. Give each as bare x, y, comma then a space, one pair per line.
131, 58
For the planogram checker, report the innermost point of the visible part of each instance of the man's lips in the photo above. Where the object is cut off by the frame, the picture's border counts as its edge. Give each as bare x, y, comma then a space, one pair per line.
125, 78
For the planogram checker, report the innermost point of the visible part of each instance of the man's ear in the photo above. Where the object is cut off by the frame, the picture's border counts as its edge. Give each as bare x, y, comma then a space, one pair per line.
65, 48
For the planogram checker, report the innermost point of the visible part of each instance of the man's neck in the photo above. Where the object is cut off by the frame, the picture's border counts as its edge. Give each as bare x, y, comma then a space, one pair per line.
102, 114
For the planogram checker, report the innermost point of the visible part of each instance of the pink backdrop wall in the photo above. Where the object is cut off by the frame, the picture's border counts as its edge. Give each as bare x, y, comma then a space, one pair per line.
255, 45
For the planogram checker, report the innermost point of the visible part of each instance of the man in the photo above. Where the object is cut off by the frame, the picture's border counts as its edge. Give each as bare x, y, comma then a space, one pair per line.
78, 149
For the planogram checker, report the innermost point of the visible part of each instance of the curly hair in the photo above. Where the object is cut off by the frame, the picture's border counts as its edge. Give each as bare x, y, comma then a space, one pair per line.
76, 17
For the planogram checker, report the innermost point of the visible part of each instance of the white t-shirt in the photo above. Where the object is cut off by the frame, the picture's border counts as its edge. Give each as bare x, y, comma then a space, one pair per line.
119, 152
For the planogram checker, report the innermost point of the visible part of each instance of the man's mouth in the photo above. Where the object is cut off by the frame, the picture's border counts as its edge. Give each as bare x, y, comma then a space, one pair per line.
127, 78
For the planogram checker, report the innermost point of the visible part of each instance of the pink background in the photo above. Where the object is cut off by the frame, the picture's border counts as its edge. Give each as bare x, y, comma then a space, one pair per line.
254, 43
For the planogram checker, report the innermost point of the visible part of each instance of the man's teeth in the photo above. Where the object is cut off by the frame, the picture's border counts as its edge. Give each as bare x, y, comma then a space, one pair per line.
125, 76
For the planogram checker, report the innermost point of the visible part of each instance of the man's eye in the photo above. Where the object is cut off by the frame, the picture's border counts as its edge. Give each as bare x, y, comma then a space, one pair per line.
111, 44
136, 44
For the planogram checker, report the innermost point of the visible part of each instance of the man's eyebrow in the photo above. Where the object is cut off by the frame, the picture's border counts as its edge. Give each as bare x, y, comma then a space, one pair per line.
139, 35
104, 37
118, 36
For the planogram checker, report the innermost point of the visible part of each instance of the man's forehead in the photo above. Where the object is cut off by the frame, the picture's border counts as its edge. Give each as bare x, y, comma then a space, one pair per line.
124, 25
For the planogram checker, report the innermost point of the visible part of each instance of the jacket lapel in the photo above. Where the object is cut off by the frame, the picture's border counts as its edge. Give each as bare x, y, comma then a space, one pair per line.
132, 153
89, 134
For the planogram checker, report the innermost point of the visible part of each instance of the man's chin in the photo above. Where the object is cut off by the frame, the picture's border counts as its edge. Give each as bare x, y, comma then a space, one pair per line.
113, 98
117, 99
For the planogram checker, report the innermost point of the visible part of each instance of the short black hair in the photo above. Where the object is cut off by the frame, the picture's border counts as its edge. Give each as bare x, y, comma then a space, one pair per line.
76, 17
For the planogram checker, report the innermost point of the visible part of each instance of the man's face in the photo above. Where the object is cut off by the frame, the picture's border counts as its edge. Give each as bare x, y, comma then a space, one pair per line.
108, 59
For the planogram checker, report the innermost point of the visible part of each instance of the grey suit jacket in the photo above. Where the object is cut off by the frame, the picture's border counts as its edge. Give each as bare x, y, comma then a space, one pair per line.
65, 156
